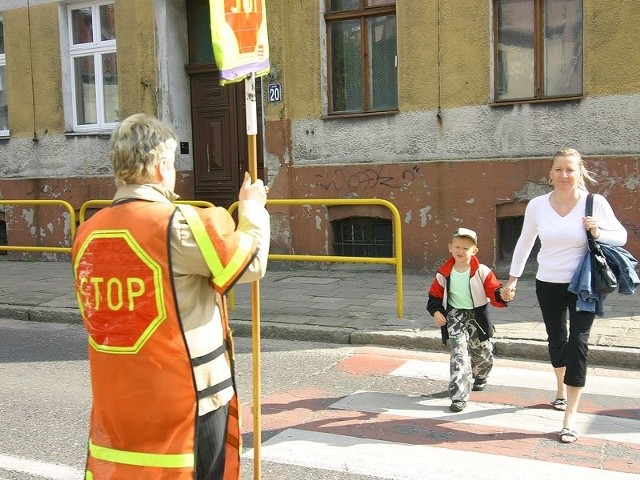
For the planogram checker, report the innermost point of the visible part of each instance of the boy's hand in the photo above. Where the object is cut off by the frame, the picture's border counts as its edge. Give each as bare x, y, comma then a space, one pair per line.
440, 319
507, 294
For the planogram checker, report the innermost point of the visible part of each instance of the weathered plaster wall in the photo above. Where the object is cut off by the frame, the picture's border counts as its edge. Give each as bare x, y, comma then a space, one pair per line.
54, 156
611, 39
445, 61
449, 157
49, 225
295, 47
19, 84
469, 166
38, 145
464, 43
595, 125
444, 53
174, 96
434, 198
34, 80
137, 76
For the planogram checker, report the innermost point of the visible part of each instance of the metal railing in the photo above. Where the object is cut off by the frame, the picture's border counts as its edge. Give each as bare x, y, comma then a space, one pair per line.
72, 223
396, 259
72, 219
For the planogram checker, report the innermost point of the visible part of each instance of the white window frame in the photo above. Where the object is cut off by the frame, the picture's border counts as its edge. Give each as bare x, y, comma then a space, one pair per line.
96, 49
3, 63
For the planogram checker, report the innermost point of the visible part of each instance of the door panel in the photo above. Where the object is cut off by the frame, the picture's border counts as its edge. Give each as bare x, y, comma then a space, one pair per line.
220, 145
217, 146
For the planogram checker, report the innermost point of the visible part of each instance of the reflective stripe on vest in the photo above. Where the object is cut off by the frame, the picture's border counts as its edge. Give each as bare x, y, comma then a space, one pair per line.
221, 274
167, 460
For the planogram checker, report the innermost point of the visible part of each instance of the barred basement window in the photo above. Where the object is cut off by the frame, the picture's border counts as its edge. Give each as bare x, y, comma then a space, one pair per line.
362, 237
509, 230
4, 240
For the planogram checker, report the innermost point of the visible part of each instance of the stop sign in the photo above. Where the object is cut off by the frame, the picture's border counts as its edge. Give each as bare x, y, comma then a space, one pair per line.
119, 290
245, 18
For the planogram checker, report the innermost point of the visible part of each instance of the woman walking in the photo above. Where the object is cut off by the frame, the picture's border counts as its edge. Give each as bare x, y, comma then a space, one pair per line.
558, 219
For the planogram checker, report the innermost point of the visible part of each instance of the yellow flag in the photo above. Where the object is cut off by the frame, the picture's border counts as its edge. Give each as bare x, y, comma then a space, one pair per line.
239, 38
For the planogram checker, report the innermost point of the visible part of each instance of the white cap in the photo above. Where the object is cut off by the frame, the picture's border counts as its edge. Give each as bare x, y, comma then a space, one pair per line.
465, 232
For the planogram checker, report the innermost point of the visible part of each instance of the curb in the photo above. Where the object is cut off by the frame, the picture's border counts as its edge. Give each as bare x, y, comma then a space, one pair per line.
428, 340
613, 357
41, 314
287, 331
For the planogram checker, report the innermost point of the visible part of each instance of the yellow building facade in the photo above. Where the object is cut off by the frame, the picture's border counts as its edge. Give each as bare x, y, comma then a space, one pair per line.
424, 103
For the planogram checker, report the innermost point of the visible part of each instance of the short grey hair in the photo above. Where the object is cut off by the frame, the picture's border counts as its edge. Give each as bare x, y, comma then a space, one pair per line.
137, 145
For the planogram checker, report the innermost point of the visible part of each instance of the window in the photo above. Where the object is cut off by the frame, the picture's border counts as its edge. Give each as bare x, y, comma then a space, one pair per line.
4, 239
4, 107
93, 66
509, 230
538, 49
362, 237
362, 54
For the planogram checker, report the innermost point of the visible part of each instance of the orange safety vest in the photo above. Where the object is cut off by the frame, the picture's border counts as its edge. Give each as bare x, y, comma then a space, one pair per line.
145, 403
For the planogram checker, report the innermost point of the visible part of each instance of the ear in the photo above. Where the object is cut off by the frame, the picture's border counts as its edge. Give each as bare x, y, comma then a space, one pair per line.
158, 173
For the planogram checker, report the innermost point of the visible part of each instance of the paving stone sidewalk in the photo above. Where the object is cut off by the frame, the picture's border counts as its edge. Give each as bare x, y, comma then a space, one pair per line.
354, 304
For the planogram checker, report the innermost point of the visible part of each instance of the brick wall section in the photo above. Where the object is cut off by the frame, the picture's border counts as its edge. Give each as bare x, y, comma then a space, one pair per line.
49, 225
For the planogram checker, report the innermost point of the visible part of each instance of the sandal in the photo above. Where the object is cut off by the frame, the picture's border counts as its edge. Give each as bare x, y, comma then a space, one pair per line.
559, 404
568, 436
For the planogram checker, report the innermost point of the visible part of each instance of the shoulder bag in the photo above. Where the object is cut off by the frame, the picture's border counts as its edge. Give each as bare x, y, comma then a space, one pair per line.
603, 278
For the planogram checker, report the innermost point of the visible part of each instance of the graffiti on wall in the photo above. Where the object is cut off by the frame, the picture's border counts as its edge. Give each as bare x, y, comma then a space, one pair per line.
607, 180
369, 178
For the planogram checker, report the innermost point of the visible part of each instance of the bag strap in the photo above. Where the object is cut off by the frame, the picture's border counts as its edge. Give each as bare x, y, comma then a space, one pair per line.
588, 211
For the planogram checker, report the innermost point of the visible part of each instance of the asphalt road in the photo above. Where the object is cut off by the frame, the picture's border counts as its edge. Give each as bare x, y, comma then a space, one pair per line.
45, 398
336, 412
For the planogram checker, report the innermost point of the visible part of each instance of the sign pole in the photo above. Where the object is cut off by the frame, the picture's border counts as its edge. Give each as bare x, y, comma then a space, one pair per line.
241, 50
252, 131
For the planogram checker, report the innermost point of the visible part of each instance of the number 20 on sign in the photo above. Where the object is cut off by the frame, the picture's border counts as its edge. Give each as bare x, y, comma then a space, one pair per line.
274, 92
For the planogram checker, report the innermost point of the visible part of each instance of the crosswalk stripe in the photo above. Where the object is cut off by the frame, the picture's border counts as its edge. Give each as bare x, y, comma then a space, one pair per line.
507, 431
394, 461
511, 377
491, 414
49, 471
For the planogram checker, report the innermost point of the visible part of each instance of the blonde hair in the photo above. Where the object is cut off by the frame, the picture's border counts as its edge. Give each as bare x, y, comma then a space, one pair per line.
584, 173
137, 146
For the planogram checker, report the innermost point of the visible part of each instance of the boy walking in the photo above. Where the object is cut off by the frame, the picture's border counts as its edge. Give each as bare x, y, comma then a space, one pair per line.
458, 300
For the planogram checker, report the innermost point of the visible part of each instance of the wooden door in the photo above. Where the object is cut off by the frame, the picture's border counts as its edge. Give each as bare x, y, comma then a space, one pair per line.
220, 145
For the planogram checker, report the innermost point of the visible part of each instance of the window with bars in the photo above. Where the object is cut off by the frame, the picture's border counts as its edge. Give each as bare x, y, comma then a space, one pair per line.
509, 230
93, 65
4, 239
362, 56
362, 237
537, 49
4, 105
